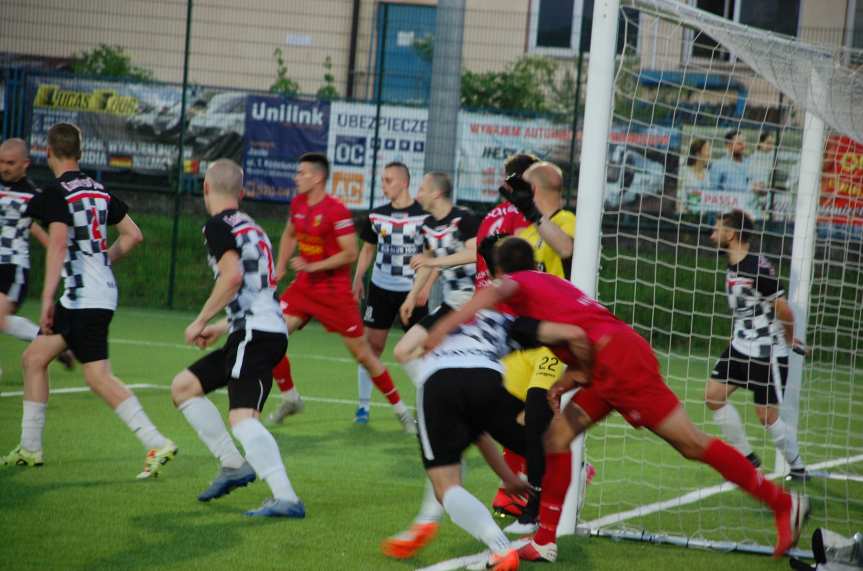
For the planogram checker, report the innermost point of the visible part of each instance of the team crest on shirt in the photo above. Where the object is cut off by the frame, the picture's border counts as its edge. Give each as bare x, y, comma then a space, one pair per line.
317, 220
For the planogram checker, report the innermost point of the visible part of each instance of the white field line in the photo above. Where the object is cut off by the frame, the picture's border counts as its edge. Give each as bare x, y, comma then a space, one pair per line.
142, 386
703, 493
689, 498
294, 355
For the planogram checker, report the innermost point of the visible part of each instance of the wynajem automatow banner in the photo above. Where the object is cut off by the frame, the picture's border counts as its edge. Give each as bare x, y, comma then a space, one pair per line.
278, 132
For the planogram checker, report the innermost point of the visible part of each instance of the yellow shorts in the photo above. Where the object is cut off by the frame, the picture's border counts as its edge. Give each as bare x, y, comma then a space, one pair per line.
535, 368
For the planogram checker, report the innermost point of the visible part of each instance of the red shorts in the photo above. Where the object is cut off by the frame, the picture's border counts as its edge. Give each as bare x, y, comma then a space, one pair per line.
334, 306
626, 378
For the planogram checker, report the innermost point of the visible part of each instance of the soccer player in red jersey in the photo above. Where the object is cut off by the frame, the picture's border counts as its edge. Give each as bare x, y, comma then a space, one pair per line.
323, 230
618, 371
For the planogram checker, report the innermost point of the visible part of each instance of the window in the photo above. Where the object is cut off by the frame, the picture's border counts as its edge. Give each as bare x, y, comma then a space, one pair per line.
780, 16
855, 20
562, 27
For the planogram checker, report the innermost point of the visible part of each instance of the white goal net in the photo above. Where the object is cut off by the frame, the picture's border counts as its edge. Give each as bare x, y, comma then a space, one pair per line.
708, 115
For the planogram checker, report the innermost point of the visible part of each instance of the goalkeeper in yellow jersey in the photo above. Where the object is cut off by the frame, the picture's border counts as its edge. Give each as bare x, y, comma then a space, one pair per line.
538, 195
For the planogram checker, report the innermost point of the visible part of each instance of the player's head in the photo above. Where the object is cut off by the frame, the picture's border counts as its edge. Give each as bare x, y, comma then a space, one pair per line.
732, 227
313, 171
699, 150
395, 180
517, 164
222, 183
435, 186
513, 255
735, 143
766, 141
64, 143
14, 160
545, 178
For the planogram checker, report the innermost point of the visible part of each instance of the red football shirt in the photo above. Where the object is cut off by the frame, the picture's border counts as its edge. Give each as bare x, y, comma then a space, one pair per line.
549, 298
503, 219
317, 228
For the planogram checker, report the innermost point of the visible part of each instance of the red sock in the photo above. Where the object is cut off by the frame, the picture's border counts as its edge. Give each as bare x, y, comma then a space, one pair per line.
384, 383
735, 468
558, 473
282, 375
516, 462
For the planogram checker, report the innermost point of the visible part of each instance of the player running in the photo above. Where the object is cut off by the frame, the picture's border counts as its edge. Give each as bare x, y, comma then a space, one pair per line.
240, 254
324, 231
19, 197
391, 237
757, 357
77, 211
622, 374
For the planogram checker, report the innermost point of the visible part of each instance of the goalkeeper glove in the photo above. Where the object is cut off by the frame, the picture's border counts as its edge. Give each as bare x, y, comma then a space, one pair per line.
520, 194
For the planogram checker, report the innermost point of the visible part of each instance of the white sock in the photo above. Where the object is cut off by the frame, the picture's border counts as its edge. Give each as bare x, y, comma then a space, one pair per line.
21, 328
400, 408
204, 417
430, 511
412, 369
786, 443
262, 452
33, 425
291, 394
468, 513
364, 387
136, 419
732, 428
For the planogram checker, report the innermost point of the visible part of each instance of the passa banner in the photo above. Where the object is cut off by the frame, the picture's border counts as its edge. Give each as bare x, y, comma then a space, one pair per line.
278, 132
352, 147
841, 205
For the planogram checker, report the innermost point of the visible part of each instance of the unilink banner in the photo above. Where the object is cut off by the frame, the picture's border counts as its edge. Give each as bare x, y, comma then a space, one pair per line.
278, 132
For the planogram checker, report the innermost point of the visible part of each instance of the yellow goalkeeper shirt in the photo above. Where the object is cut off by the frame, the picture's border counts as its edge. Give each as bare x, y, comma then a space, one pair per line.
545, 256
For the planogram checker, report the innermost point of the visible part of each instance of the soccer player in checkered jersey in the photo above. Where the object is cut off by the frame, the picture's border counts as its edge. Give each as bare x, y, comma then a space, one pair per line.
757, 357
391, 237
323, 230
241, 257
77, 211
616, 370
18, 198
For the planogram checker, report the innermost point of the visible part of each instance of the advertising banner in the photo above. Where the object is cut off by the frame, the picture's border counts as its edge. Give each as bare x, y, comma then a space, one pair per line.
136, 126
841, 207
486, 140
278, 131
351, 148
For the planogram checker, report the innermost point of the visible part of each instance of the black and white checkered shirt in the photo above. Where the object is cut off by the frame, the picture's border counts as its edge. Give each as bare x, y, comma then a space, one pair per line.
397, 234
752, 288
254, 307
479, 344
445, 237
16, 201
87, 209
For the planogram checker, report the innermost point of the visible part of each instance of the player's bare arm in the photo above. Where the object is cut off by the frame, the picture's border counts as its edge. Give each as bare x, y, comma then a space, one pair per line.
54, 258
211, 333
460, 258
566, 383
553, 334
226, 287
367, 254
554, 236
39, 233
421, 281
785, 315
485, 298
490, 452
287, 245
129, 236
346, 256
422, 297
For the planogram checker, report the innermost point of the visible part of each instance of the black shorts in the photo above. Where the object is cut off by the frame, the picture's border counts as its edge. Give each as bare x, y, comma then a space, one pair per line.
382, 308
429, 320
13, 282
765, 378
455, 406
84, 330
245, 365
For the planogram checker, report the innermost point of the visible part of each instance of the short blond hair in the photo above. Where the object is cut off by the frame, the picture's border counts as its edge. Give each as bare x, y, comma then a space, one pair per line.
224, 176
545, 175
